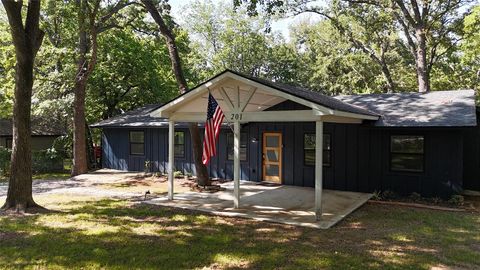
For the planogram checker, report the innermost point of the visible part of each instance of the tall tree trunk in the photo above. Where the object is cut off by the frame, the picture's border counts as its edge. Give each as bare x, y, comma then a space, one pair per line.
19, 194
27, 41
201, 170
421, 59
88, 29
80, 164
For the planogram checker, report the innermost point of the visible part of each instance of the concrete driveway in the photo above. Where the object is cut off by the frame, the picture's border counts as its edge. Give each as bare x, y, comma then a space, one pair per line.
282, 204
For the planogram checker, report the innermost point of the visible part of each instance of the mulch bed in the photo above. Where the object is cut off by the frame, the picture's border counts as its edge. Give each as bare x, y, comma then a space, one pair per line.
418, 205
214, 187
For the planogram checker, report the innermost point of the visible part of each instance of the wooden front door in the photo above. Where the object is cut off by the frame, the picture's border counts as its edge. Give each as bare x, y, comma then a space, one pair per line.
272, 157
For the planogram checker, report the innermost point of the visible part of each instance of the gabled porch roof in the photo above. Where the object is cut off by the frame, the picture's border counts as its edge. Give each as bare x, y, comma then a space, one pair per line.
237, 92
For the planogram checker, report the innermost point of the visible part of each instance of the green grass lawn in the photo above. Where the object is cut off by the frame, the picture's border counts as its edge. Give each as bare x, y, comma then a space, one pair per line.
92, 234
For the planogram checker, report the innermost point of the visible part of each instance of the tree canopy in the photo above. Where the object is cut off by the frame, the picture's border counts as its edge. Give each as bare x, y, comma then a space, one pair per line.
346, 47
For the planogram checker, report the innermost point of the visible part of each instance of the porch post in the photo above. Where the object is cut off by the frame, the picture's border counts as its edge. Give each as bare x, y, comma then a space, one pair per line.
318, 168
171, 132
236, 164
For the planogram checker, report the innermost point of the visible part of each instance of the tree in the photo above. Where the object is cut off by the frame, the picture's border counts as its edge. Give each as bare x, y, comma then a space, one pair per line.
131, 71
7, 68
333, 65
94, 17
27, 38
471, 48
155, 10
428, 27
423, 21
233, 40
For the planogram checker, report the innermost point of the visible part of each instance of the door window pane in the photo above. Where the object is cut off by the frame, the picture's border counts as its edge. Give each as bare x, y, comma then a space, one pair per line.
272, 141
272, 155
272, 170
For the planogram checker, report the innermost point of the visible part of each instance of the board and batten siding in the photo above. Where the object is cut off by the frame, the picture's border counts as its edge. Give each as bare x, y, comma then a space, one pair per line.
360, 157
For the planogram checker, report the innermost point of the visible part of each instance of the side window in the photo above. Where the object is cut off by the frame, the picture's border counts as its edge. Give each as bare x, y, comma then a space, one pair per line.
179, 144
407, 153
8, 143
309, 149
243, 146
137, 143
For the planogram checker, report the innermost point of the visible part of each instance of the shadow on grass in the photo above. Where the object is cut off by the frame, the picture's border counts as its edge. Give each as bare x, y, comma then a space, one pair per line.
113, 234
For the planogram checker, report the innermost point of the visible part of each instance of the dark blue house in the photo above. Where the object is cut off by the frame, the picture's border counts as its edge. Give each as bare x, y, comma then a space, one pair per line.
405, 142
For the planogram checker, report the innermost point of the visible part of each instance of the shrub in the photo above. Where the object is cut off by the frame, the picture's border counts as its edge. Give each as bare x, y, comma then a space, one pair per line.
43, 161
389, 195
377, 195
146, 166
415, 197
177, 174
189, 175
50, 160
458, 200
436, 200
4, 160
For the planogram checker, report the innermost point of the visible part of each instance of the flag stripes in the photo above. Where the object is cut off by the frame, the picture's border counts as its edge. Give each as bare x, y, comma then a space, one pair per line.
214, 121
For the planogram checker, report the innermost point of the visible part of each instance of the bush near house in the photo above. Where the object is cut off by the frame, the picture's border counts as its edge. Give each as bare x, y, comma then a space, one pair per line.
50, 160
43, 161
4, 160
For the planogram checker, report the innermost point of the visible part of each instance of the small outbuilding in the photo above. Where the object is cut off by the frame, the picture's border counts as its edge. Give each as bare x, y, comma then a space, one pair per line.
44, 133
405, 142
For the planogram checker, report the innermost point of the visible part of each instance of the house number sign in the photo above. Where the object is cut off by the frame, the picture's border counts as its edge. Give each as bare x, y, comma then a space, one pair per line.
236, 116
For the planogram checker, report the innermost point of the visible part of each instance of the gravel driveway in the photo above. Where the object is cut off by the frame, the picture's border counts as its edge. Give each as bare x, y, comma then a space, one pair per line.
86, 184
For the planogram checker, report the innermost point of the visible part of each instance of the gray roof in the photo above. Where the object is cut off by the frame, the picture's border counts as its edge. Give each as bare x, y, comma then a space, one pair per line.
40, 127
313, 96
433, 109
136, 118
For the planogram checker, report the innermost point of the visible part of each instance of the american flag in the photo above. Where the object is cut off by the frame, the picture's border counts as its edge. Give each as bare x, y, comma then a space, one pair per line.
215, 118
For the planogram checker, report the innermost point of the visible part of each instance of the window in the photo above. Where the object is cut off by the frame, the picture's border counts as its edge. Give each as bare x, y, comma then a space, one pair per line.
406, 153
309, 149
137, 143
8, 143
243, 146
179, 144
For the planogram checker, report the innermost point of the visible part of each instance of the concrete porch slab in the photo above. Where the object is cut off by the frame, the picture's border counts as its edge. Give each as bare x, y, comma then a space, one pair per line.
281, 204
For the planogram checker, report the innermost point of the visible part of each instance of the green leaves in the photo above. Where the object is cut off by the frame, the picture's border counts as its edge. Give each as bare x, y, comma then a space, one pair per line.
131, 71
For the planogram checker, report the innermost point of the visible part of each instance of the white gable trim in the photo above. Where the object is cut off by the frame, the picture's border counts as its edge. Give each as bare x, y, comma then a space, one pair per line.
168, 110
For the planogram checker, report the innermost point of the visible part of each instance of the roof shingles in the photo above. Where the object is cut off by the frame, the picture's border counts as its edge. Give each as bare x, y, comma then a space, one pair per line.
40, 127
433, 109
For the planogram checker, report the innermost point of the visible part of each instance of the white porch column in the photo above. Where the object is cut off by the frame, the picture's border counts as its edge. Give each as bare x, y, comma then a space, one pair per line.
318, 168
236, 164
171, 133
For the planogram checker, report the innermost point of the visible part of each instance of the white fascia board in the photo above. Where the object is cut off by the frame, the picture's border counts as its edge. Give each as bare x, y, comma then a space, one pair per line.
165, 110
245, 117
355, 115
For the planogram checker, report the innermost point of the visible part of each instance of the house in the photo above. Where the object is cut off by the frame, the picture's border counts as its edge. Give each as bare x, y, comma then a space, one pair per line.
44, 133
404, 142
